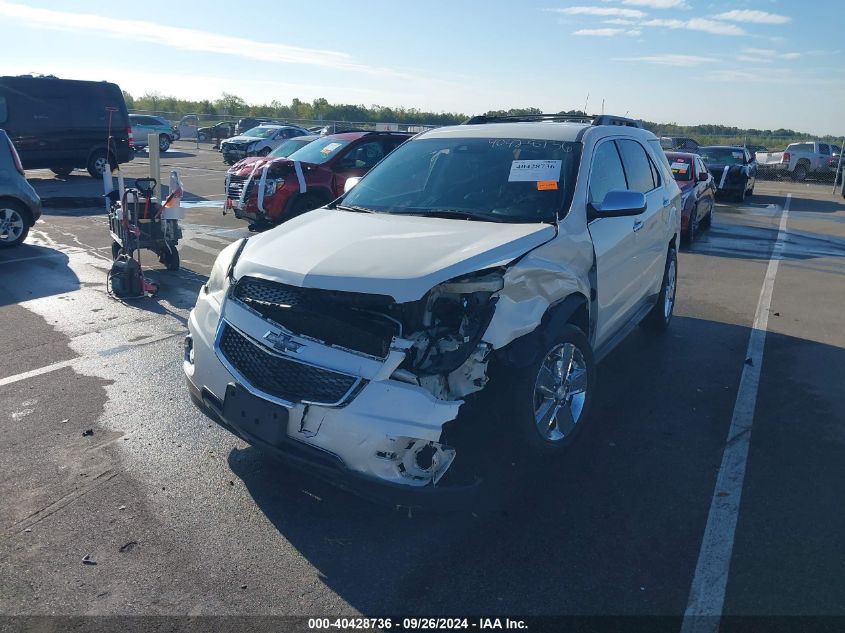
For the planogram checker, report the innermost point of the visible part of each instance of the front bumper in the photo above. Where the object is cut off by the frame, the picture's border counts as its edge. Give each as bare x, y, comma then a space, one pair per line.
356, 445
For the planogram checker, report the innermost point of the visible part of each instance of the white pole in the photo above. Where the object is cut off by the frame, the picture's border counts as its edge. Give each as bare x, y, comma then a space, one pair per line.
155, 161
838, 168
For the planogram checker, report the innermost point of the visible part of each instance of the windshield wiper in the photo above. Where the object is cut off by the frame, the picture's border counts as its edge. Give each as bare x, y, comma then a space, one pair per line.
354, 208
458, 214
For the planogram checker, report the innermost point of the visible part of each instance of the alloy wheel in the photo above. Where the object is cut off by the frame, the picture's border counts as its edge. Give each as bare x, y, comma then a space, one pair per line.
560, 391
11, 225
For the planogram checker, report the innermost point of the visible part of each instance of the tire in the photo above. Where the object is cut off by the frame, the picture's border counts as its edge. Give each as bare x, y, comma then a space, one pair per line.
660, 316
303, 204
171, 259
62, 172
98, 162
692, 227
707, 220
264, 152
799, 174
201, 136
14, 223
549, 399
164, 143
115, 250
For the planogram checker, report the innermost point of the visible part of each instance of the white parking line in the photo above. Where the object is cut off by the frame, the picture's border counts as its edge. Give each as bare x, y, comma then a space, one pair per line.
8, 380
707, 594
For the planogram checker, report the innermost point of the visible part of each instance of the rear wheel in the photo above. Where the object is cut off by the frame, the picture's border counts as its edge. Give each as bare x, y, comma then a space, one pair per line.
692, 226
202, 136
800, 172
14, 224
171, 259
99, 163
658, 319
63, 172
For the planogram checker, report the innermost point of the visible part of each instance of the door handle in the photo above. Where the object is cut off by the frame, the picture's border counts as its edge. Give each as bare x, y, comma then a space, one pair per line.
638, 225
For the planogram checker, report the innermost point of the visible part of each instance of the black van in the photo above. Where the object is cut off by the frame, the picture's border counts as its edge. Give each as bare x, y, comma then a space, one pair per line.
61, 124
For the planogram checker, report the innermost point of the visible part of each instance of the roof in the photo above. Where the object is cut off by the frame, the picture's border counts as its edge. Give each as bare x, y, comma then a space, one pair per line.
736, 147
673, 154
541, 130
354, 136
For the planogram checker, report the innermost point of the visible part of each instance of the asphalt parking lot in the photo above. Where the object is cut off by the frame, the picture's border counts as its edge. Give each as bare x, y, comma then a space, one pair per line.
182, 518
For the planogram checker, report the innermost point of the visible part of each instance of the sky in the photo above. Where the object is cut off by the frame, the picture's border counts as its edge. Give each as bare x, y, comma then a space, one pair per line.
762, 64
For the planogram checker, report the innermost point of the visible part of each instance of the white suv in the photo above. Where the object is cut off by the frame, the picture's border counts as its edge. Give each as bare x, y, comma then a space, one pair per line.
345, 339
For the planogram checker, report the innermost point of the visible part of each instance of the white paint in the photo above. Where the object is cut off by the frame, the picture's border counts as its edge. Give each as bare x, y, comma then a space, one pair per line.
8, 380
300, 177
724, 175
707, 594
382, 253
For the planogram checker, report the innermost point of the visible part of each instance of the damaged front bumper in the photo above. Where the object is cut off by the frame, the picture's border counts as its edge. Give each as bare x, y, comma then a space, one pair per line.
340, 415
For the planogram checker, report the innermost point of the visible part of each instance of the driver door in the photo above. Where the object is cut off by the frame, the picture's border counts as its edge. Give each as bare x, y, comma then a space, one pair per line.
357, 161
619, 262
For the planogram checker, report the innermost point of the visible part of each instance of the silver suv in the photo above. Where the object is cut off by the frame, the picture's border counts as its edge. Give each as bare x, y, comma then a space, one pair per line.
20, 206
346, 339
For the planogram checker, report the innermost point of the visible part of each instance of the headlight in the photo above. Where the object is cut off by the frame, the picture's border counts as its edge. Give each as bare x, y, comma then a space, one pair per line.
271, 186
219, 278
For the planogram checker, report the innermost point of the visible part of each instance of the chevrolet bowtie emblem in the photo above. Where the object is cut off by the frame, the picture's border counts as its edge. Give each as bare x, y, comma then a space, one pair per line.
282, 342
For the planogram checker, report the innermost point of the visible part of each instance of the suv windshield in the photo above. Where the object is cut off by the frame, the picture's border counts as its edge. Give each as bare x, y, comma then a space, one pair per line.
319, 151
490, 179
722, 155
289, 147
261, 132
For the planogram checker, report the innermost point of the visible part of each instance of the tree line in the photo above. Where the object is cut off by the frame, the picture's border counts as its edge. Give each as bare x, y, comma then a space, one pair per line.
229, 106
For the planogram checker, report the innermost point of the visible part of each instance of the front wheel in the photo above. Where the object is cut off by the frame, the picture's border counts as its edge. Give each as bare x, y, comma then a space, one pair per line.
264, 152
202, 136
164, 143
62, 172
550, 398
658, 319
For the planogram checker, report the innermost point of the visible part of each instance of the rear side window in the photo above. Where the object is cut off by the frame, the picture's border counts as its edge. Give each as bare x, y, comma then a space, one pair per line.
801, 147
637, 166
607, 173
824, 148
4, 110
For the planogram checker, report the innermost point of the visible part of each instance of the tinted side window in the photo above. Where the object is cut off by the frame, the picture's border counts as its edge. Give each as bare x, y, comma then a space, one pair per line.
607, 173
4, 110
637, 166
824, 148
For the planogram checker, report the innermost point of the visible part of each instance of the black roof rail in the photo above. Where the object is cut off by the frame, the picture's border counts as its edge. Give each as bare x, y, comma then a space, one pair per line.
592, 119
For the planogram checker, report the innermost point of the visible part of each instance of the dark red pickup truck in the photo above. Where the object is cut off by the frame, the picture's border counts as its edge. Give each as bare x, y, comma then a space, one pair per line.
268, 191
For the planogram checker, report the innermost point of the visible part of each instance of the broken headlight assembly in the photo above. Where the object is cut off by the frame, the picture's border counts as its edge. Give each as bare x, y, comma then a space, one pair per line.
221, 272
455, 316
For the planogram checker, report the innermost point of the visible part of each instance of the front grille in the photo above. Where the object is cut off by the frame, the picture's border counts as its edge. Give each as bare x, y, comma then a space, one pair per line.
280, 377
346, 319
235, 186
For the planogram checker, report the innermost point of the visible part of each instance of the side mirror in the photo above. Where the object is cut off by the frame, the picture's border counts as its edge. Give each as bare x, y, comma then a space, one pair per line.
702, 176
620, 202
350, 182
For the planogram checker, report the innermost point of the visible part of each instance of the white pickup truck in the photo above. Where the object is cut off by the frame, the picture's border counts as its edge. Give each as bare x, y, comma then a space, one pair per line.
801, 159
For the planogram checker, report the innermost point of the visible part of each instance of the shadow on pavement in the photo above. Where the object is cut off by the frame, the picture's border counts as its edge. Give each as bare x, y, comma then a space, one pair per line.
26, 260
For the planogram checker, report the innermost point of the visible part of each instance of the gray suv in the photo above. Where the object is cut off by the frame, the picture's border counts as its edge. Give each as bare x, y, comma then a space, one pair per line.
502, 258
20, 206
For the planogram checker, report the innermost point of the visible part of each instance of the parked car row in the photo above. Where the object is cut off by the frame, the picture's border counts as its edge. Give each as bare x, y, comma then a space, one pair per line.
801, 160
268, 189
258, 141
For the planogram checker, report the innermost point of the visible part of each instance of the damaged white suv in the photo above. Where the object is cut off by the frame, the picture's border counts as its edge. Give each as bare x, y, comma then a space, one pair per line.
345, 339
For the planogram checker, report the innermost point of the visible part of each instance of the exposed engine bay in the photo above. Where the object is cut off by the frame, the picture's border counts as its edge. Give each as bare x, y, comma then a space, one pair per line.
441, 333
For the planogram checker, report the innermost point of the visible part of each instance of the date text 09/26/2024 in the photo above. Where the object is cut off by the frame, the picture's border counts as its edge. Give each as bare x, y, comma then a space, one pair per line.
410, 624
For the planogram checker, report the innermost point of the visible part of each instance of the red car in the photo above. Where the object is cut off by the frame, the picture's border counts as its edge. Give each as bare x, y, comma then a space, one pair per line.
698, 192
267, 191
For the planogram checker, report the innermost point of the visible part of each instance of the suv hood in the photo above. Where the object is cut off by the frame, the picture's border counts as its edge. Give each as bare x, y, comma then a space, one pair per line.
378, 253
278, 166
